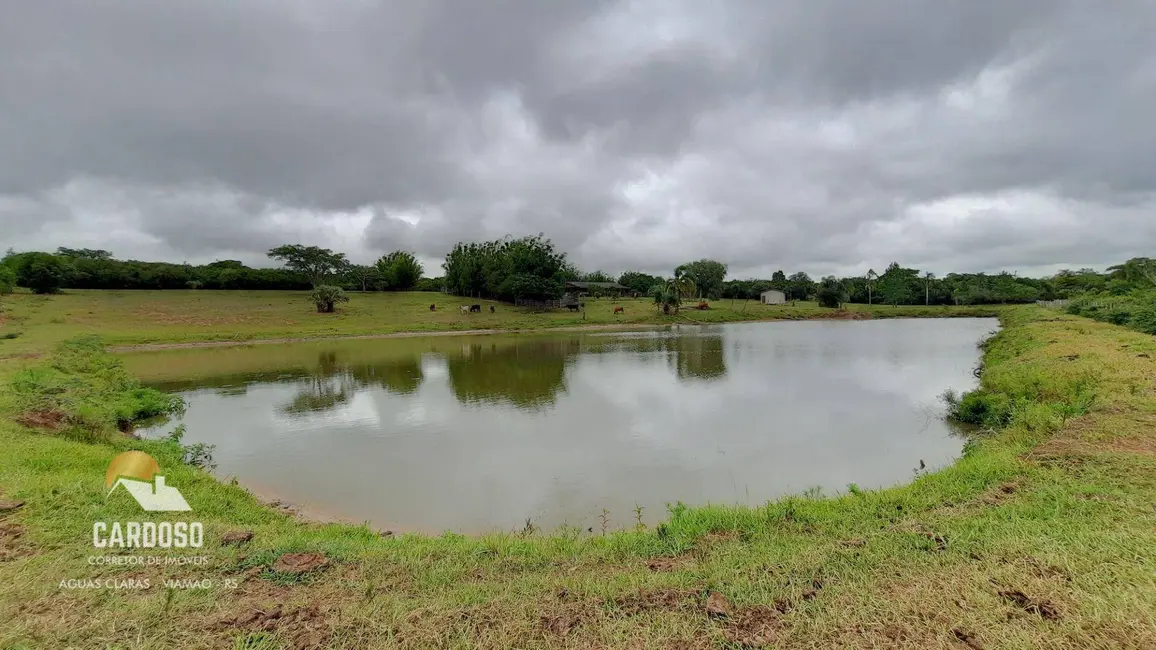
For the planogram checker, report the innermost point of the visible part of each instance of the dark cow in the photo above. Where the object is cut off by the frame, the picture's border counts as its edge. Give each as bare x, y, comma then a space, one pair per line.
476, 308
433, 307
619, 310
573, 307
492, 310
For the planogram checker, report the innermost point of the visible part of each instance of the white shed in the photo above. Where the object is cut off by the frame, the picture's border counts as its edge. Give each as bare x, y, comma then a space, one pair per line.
773, 297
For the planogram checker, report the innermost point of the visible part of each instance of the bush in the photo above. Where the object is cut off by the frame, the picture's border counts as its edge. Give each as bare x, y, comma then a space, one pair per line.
326, 298
1144, 319
979, 407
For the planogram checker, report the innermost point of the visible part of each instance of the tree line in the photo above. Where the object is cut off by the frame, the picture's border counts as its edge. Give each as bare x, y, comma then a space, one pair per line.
532, 267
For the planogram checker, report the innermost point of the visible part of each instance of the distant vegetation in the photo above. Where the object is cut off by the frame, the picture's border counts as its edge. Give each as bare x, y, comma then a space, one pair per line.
531, 267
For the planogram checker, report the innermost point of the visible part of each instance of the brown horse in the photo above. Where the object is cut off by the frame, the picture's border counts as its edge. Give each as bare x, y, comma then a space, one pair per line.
433, 307
619, 310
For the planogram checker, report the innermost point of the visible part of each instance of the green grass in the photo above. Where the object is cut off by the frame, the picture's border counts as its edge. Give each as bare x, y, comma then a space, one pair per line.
1056, 505
173, 317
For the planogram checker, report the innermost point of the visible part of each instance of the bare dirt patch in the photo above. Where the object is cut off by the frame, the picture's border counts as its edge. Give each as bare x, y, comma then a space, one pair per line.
304, 627
753, 627
48, 419
666, 564
1043, 608
236, 537
300, 563
967, 638
12, 542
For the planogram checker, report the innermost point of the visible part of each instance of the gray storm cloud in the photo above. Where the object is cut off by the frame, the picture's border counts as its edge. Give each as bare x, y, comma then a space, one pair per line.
813, 135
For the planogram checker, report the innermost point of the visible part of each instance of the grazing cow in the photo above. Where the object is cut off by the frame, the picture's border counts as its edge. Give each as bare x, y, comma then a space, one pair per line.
476, 308
465, 309
433, 307
619, 310
573, 307
492, 310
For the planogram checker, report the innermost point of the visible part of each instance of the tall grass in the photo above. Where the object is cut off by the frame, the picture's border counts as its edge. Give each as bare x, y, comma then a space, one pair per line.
85, 392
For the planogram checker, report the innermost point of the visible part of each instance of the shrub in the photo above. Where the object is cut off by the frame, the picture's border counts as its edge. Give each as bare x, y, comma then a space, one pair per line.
326, 298
1144, 319
979, 407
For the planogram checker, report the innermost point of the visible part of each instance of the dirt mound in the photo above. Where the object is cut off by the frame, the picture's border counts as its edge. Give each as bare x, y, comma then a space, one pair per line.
299, 563
12, 542
754, 627
305, 627
47, 419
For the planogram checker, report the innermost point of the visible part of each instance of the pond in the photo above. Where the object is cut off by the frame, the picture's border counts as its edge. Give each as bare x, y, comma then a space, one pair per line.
480, 433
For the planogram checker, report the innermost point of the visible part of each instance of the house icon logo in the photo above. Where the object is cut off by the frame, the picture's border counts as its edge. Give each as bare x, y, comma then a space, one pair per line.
139, 473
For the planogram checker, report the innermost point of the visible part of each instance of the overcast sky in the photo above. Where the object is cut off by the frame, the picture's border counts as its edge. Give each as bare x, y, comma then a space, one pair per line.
829, 136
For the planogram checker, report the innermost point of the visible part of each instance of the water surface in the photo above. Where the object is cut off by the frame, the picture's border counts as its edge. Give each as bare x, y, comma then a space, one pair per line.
479, 433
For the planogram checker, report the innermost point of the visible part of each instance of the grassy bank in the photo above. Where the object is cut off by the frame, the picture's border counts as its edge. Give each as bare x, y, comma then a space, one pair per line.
34, 323
1040, 537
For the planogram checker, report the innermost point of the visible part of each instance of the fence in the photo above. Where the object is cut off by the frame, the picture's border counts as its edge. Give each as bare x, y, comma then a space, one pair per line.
1052, 304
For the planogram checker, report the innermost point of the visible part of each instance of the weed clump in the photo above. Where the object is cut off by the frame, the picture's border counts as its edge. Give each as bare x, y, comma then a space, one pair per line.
90, 390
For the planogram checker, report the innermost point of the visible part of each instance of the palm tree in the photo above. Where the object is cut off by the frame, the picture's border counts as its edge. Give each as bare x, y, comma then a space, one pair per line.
872, 276
927, 278
668, 295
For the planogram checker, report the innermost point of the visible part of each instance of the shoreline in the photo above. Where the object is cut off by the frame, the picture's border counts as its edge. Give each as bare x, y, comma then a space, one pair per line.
155, 347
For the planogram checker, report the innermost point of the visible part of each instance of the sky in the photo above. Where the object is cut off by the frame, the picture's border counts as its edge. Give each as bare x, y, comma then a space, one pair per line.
827, 136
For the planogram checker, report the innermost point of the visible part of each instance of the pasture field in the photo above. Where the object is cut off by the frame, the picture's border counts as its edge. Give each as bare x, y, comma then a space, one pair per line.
121, 318
1041, 536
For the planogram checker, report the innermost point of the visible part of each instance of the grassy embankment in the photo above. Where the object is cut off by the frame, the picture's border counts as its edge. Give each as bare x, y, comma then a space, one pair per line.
1041, 536
175, 317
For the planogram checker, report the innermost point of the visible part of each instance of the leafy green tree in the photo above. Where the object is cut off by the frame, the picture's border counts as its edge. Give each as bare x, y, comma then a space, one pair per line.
399, 270
42, 272
597, 276
799, 286
430, 284
668, 295
638, 282
489, 269
1138, 271
84, 253
897, 284
872, 278
7, 280
326, 298
708, 277
363, 276
316, 264
831, 292
779, 280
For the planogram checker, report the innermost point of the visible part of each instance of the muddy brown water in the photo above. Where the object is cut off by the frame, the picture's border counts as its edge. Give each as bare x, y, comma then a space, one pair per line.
481, 433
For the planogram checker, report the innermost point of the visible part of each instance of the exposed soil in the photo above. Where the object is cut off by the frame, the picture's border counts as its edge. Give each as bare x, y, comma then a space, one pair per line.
665, 564
48, 419
967, 638
8, 505
304, 628
1044, 608
236, 537
299, 563
754, 627
12, 542
843, 314
717, 605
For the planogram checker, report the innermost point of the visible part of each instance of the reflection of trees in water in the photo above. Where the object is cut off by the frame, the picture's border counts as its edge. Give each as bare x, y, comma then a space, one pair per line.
401, 377
526, 373
696, 356
333, 383
699, 357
